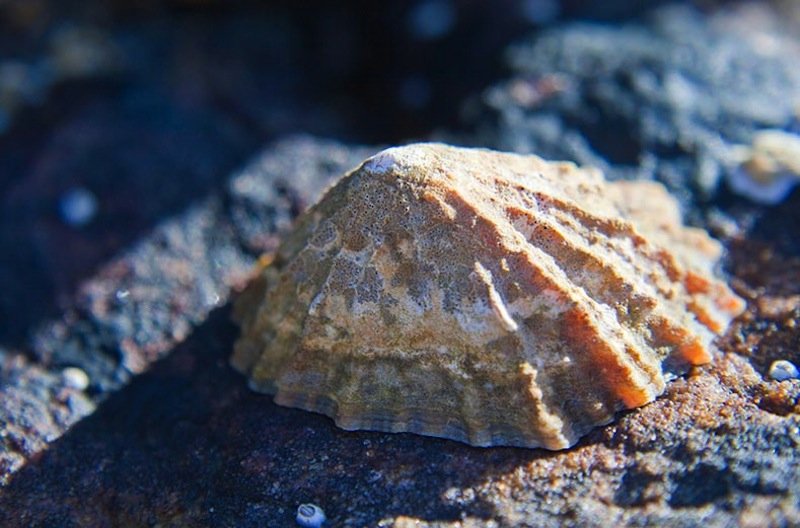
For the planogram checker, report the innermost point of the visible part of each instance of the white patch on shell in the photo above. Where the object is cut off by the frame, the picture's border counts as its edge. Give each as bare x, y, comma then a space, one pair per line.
495, 301
382, 162
398, 159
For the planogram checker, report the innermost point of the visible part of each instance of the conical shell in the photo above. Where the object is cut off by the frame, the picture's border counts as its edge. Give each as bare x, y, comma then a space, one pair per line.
490, 298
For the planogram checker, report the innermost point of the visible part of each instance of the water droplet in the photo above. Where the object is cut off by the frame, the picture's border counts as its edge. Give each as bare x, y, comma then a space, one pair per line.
78, 207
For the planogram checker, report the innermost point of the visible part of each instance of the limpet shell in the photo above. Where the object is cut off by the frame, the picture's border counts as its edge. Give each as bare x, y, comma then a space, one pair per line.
485, 297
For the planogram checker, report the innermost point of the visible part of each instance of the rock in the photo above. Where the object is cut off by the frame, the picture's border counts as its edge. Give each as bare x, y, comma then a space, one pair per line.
66, 218
37, 407
668, 99
142, 303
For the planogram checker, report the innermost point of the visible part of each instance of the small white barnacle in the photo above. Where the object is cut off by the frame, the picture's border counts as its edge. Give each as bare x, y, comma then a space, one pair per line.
310, 516
767, 170
782, 370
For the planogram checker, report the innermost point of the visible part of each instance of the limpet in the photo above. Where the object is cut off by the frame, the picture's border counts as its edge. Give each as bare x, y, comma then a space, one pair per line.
484, 297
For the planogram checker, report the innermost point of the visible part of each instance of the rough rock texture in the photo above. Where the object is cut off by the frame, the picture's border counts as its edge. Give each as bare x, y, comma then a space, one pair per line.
486, 297
143, 302
37, 406
667, 99
139, 305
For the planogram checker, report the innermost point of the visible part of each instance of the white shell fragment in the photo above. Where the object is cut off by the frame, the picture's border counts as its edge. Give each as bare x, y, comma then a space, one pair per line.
769, 168
76, 378
310, 516
783, 370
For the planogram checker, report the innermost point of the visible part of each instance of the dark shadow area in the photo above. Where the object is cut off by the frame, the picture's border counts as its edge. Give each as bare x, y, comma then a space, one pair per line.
780, 225
188, 443
149, 106
701, 486
767, 263
138, 160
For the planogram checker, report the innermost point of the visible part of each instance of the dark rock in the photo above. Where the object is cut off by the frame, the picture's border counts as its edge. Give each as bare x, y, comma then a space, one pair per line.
665, 99
706, 448
140, 304
37, 407
144, 301
264, 199
128, 173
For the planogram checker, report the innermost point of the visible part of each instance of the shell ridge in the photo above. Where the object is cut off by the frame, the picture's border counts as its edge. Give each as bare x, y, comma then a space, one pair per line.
494, 232
553, 278
495, 300
647, 302
702, 311
594, 339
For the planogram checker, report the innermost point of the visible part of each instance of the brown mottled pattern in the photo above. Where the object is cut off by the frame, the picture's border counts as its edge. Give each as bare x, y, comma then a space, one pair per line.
490, 298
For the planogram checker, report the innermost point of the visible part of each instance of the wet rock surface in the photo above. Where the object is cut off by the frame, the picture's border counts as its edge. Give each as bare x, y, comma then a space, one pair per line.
719, 449
142, 303
38, 405
166, 433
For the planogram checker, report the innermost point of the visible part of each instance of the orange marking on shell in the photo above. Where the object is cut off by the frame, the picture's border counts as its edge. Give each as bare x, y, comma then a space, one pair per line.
617, 376
706, 318
695, 283
695, 353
